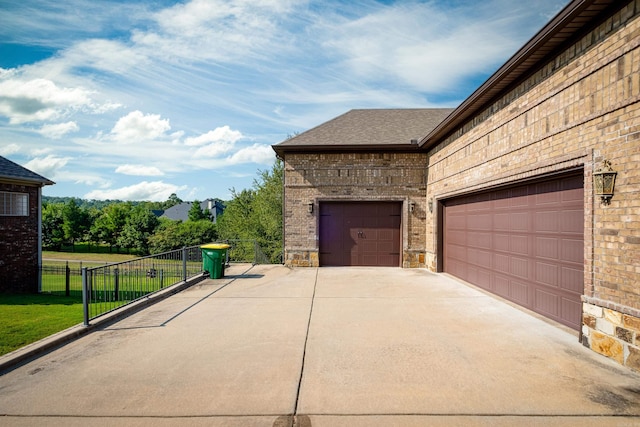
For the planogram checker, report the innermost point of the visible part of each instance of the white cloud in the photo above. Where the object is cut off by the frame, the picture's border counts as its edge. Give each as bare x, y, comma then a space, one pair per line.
136, 127
139, 170
214, 143
276, 66
105, 107
41, 151
9, 149
84, 177
33, 21
429, 46
104, 55
58, 130
175, 137
257, 153
47, 166
222, 30
153, 191
220, 134
39, 100
214, 150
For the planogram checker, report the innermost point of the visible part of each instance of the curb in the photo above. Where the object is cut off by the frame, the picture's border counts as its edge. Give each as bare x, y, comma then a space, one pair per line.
34, 350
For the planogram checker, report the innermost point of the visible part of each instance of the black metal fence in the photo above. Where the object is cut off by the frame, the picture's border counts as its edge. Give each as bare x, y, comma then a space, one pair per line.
111, 286
61, 279
246, 251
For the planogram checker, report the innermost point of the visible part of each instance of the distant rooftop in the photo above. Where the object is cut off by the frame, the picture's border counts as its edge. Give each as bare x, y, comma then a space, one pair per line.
180, 212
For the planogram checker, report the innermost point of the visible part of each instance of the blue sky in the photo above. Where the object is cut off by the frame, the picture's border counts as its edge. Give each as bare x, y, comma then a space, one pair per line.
135, 100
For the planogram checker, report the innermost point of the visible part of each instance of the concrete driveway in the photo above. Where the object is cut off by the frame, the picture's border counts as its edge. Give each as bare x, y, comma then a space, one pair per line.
335, 347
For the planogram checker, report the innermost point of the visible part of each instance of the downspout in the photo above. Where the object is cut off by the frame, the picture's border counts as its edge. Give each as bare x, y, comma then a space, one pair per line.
284, 171
39, 239
592, 273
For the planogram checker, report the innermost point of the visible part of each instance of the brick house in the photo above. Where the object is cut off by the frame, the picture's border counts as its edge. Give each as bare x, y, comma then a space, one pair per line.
352, 176
508, 200
20, 227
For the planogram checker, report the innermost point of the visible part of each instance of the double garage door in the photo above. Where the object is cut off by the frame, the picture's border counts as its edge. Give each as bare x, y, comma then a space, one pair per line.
524, 244
360, 233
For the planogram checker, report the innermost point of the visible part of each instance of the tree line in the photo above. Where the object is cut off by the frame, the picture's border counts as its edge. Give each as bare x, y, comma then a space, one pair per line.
251, 214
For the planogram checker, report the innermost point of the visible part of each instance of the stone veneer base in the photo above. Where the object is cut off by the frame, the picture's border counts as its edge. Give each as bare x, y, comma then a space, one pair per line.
612, 333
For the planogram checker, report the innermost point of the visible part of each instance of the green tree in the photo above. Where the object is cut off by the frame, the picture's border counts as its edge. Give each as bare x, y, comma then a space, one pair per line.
172, 201
140, 225
52, 220
256, 214
267, 211
196, 213
235, 222
198, 232
76, 222
172, 235
166, 236
93, 213
108, 226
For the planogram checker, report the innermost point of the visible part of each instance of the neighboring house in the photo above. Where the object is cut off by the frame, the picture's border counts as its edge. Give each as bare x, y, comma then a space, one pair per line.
180, 212
507, 201
20, 227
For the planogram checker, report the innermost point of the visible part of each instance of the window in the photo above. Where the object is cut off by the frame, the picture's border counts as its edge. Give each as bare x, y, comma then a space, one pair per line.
14, 204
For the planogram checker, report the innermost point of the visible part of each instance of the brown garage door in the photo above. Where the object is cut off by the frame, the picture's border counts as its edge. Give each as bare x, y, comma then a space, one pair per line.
360, 234
524, 244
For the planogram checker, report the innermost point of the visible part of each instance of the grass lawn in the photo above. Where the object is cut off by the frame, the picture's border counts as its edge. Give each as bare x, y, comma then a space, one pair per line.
25, 319
86, 258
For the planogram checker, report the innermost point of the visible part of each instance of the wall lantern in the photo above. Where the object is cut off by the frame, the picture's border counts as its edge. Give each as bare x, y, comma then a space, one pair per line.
412, 206
310, 207
604, 180
430, 203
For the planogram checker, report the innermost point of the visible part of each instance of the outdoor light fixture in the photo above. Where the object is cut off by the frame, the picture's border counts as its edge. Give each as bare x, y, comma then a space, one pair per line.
604, 180
430, 205
412, 206
310, 207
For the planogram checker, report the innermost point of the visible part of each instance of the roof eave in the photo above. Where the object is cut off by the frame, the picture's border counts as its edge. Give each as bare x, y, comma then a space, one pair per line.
281, 150
473, 103
26, 181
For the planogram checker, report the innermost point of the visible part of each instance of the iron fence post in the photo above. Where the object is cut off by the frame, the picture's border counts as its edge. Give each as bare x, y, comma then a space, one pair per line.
85, 296
184, 264
67, 281
116, 284
255, 252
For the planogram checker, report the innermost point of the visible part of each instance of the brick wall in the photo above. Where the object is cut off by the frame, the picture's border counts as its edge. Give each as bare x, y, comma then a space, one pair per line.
19, 245
579, 109
315, 178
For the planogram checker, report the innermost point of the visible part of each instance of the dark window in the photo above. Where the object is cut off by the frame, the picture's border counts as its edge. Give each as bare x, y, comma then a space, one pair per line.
14, 204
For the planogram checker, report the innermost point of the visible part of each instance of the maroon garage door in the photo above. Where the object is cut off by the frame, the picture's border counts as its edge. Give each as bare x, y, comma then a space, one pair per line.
524, 244
360, 234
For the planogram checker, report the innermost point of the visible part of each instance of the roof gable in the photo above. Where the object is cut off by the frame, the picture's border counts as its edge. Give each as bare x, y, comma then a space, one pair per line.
370, 129
13, 172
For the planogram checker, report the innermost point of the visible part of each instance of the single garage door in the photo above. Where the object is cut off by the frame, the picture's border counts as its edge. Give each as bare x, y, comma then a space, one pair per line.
524, 244
360, 233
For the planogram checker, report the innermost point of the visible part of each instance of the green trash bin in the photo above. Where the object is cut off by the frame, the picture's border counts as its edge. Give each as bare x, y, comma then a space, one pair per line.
214, 256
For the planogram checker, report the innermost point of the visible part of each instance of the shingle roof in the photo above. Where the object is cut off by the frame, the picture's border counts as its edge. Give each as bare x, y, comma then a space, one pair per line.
368, 129
181, 211
10, 171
